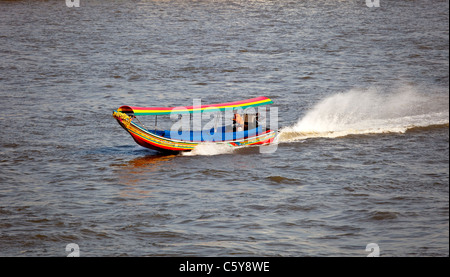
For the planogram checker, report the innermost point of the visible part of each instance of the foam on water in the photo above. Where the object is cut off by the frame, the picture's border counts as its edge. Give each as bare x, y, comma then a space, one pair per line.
370, 111
210, 149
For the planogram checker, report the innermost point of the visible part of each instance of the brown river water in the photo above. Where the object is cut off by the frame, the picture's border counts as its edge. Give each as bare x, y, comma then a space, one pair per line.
362, 154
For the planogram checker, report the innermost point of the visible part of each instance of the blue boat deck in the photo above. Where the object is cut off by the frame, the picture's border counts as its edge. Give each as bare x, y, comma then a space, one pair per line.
208, 136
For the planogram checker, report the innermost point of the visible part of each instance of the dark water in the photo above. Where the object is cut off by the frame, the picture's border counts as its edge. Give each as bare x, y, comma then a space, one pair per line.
362, 156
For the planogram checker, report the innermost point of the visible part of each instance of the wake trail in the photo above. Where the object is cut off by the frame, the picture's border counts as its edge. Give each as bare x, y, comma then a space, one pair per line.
370, 111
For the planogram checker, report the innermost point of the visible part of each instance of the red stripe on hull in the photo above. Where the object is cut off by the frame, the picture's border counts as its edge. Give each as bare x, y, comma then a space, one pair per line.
146, 144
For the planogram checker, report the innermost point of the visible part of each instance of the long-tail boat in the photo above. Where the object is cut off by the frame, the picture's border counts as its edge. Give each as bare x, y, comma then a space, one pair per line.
245, 128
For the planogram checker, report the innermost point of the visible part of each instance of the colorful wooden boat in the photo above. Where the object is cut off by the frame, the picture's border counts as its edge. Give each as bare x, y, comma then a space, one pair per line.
251, 133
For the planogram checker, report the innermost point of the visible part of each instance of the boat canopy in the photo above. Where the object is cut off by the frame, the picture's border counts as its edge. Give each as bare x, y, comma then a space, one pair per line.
243, 104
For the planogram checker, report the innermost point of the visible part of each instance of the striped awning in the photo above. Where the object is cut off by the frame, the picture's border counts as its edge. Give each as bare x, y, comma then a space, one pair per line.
243, 104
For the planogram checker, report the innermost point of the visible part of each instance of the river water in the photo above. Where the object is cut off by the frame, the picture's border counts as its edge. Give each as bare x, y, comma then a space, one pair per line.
362, 154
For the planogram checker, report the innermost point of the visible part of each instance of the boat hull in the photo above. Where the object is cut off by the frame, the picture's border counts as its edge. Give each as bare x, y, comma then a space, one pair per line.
152, 141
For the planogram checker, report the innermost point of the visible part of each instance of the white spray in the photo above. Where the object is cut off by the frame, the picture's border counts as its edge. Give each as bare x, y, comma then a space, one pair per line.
370, 111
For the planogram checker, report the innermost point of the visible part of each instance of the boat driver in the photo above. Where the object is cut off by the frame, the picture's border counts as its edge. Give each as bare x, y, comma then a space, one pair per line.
238, 122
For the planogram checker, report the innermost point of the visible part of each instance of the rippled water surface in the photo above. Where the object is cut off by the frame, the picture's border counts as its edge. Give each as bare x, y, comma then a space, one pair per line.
361, 157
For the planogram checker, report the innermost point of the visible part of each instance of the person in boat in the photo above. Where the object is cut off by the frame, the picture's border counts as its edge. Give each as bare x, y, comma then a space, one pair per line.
238, 122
